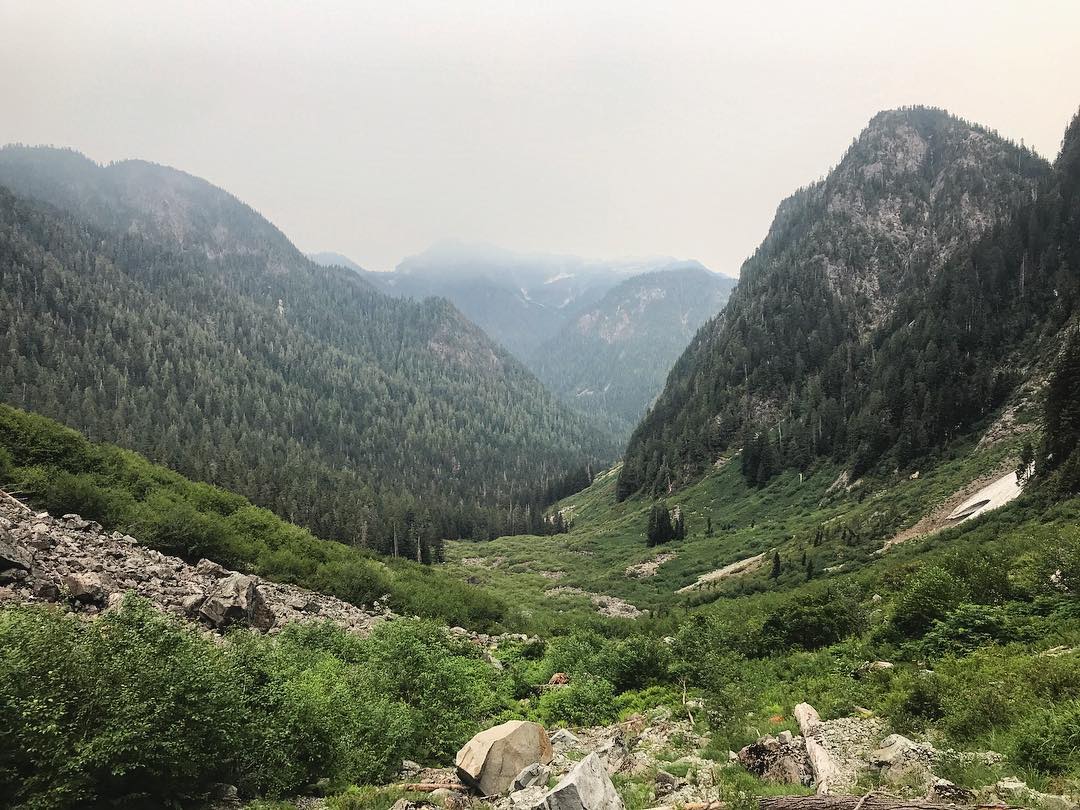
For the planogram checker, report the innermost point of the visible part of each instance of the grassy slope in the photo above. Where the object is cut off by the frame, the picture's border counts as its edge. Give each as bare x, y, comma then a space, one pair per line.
607, 536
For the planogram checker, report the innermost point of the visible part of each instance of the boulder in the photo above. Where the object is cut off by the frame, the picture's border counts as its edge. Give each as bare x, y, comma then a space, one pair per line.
778, 760
901, 760
192, 603
946, 792
236, 600
491, 760
530, 776
88, 587
76, 522
586, 787
613, 751
564, 738
14, 560
44, 589
527, 799
1013, 790
667, 783
209, 568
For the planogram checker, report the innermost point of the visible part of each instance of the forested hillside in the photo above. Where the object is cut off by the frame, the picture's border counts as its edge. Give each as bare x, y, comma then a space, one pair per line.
611, 360
158, 312
892, 306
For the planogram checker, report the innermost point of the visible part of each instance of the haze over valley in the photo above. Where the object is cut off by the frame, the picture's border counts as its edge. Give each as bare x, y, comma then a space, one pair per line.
483, 407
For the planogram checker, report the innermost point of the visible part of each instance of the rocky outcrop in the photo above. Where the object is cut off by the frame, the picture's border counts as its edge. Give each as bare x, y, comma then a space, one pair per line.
838, 749
492, 760
586, 787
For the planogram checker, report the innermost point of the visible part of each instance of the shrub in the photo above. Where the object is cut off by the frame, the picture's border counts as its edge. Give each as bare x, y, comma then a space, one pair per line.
969, 627
817, 619
930, 594
585, 701
1048, 740
134, 708
127, 706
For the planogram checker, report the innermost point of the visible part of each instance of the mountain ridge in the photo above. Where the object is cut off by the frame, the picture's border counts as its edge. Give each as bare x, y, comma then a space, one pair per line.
813, 354
236, 360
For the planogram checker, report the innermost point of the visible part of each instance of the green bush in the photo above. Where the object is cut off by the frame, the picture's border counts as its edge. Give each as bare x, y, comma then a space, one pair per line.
1048, 739
817, 619
128, 706
969, 627
585, 701
930, 594
136, 709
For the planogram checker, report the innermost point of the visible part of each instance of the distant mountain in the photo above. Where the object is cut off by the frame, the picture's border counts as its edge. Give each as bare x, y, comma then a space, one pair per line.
149, 308
611, 360
891, 307
519, 299
328, 258
556, 313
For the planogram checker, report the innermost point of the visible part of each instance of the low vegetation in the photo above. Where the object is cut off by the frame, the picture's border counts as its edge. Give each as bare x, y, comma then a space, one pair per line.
138, 708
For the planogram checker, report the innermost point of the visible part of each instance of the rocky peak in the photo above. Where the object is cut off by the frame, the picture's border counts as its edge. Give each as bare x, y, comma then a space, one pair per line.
916, 185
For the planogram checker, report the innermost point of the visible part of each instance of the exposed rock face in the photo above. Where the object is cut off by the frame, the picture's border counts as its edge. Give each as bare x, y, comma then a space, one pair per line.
838, 749
586, 787
492, 760
605, 605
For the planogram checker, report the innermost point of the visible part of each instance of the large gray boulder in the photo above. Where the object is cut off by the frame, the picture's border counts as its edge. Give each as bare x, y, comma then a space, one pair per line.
491, 760
235, 600
586, 787
903, 761
14, 560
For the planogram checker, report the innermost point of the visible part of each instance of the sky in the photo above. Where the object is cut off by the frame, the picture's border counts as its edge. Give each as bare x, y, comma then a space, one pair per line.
603, 129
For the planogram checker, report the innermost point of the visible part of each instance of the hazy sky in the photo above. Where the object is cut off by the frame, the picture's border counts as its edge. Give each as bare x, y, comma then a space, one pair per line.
598, 128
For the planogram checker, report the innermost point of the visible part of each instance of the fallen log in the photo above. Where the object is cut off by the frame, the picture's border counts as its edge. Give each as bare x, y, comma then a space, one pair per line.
827, 774
428, 787
693, 806
871, 802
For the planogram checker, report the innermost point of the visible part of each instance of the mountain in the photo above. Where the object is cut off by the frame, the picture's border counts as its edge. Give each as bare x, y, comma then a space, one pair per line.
569, 319
521, 300
328, 258
149, 308
611, 360
892, 306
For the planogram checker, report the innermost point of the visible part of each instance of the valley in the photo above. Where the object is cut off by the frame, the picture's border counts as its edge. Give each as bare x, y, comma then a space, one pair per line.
279, 532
